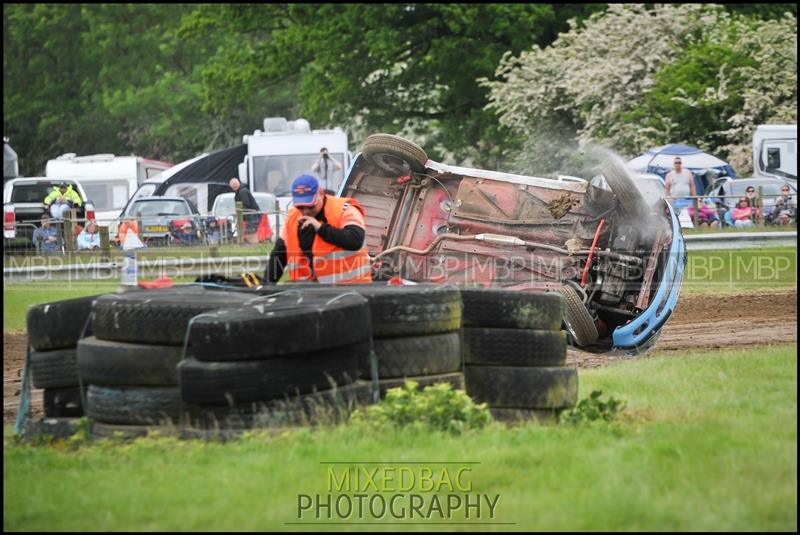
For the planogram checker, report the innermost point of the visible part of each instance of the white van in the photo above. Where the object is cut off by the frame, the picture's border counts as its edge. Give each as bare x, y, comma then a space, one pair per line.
775, 151
288, 149
108, 180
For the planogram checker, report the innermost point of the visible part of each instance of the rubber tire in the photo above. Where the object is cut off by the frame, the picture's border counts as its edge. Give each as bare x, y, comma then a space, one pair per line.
58, 325
63, 402
632, 203
107, 363
327, 406
377, 146
102, 430
455, 379
415, 355
514, 347
415, 310
232, 383
492, 307
138, 405
577, 319
54, 427
265, 332
518, 387
54, 369
156, 316
539, 416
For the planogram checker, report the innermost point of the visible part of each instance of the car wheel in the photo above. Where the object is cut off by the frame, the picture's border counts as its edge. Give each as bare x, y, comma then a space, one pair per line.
394, 154
577, 319
58, 325
133, 404
631, 202
54, 369
102, 362
506, 309
415, 355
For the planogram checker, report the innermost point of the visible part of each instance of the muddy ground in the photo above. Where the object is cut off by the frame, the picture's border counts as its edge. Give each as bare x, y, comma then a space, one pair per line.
700, 322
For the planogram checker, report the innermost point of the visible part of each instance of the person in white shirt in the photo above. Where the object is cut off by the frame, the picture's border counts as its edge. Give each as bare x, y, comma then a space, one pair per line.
679, 185
325, 167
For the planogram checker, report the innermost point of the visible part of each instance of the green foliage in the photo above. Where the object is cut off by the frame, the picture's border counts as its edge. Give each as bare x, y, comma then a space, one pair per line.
592, 409
438, 407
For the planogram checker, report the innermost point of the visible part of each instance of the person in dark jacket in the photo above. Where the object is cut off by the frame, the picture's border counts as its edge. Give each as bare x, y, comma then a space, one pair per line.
252, 212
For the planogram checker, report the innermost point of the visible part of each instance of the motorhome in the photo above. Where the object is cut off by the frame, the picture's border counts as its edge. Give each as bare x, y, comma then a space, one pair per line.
108, 180
775, 151
285, 150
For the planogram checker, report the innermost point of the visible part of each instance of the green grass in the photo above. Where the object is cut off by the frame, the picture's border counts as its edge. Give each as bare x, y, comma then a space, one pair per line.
741, 269
709, 443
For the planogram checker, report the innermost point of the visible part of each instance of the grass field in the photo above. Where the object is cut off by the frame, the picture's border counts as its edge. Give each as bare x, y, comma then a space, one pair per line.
708, 442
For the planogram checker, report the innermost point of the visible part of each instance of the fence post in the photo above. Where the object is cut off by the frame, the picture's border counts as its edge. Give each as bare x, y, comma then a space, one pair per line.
239, 223
277, 230
696, 212
760, 206
69, 238
105, 243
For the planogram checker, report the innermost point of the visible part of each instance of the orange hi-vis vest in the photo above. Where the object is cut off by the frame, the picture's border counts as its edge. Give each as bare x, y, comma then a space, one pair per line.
332, 264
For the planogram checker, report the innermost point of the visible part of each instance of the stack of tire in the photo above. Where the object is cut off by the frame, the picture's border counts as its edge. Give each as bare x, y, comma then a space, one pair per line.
53, 333
415, 334
284, 359
515, 354
129, 366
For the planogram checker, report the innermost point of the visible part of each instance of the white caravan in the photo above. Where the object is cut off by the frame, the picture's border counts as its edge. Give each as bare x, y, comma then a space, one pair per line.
108, 180
775, 151
288, 149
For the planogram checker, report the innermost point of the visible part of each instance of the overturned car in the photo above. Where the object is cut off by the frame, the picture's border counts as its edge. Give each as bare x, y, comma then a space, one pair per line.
617, 258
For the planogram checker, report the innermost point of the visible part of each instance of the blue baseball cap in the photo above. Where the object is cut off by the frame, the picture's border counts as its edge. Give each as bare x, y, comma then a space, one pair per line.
304, 190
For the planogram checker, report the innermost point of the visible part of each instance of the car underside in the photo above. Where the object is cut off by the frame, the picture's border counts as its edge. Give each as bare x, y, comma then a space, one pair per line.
617, 259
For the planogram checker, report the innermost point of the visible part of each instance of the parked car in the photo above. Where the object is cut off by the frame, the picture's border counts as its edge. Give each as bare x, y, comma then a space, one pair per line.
725, 191
224, 210
162, 219
23, 207
617, 258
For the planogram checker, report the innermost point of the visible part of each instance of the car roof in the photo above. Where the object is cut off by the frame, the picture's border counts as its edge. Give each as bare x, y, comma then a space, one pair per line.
157, 198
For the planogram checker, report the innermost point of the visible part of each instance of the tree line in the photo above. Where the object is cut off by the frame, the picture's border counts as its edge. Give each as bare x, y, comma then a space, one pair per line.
169, 81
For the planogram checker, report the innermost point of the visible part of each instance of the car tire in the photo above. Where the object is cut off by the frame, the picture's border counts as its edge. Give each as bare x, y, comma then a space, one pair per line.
632, 203
394, 155
518, 387
263, 331
107, 363
235, 382
54, 369
139, 405
54, 427
416, 310
539, 416
514, 347
156, 316
63, 402
327, 406
491, 307
415, 355
456, 380
577, 319
58, 325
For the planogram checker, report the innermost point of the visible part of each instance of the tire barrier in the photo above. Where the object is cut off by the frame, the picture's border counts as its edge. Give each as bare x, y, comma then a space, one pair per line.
515, 354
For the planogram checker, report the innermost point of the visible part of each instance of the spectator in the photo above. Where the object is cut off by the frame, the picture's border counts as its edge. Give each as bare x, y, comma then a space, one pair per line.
252, 212
753, 201
679, 185
89, 238
785, 210
45, 238
743, 214
61, 200
124, 227
707, 214
324, 166
213, 230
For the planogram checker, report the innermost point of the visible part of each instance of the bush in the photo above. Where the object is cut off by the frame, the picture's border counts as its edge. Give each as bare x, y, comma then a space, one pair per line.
592, 409
438, 407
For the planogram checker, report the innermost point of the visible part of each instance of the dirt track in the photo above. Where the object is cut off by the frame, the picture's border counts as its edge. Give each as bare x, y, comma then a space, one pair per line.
700, 322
